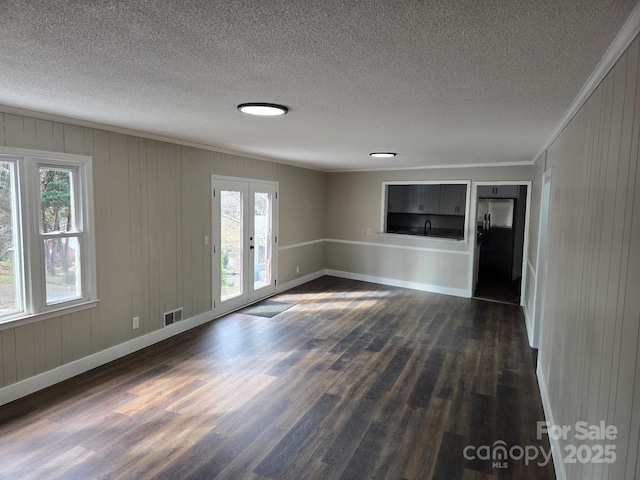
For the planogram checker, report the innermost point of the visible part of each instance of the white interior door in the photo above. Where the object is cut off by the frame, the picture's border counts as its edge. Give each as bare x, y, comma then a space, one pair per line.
244, 242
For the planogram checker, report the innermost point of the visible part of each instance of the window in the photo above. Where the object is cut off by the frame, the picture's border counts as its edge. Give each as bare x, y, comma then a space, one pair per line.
47, 257
10, 270
426, 209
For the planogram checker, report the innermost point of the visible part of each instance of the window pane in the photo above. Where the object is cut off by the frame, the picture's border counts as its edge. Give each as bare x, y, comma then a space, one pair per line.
231, 244
262, 242
62, 266
56, 200
10, 296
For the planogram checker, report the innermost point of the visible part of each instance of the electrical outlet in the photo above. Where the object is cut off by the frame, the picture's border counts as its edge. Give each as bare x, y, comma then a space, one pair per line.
136, 322
368, 231
297, 269
206, 240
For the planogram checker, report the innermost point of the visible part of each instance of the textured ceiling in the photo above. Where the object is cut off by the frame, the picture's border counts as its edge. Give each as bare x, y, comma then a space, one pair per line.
440, 82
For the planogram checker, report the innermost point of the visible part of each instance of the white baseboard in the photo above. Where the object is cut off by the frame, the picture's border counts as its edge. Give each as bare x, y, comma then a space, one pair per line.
64, 372
556, 448
528, 321
299, 281
392, 282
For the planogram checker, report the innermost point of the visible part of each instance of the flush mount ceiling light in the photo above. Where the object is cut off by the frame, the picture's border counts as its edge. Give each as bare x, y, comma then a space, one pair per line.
263, 109
383, 154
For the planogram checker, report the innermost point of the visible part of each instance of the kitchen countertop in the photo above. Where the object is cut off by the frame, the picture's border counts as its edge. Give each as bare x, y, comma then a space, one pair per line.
444, 233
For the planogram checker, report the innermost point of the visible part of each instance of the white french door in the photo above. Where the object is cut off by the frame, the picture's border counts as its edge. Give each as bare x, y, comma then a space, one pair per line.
244, 242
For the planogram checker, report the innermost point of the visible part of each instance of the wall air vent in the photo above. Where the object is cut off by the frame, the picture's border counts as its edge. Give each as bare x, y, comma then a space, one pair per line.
173, 316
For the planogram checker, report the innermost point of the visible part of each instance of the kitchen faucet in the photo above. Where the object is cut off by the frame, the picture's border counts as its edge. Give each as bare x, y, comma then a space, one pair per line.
425, 226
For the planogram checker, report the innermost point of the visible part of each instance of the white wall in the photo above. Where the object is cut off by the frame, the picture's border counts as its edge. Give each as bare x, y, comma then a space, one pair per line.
302, 221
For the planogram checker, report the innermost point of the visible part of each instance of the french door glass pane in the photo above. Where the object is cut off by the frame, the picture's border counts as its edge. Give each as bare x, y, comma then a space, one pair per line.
56, 200
231, 241
62, 269
262, 232
10, 297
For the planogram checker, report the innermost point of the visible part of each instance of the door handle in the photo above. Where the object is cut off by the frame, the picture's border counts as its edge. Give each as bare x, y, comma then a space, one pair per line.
250, 247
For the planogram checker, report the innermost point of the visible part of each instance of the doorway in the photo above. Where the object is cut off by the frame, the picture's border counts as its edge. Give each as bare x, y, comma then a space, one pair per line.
541, 263
501, 212
244, 237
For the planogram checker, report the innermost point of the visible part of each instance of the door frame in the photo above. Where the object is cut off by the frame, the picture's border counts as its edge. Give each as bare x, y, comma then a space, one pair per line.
541, 261
473, 224
216, 304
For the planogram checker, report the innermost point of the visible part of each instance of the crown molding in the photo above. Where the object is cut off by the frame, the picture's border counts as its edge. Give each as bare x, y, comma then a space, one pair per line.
527, 163
54, 117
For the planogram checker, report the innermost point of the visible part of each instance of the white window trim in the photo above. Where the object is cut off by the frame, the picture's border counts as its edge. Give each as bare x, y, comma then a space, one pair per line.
28, 163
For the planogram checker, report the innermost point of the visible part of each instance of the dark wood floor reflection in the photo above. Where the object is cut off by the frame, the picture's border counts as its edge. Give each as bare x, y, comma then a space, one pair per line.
355, 381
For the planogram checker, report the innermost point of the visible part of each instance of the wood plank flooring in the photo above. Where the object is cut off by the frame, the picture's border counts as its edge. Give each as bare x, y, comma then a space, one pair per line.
356, 380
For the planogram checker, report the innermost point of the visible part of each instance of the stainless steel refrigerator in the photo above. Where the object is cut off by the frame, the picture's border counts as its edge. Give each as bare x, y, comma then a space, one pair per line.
496, 218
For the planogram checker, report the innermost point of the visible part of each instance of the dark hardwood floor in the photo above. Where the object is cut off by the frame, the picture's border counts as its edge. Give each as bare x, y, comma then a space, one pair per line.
355, 381
498, 290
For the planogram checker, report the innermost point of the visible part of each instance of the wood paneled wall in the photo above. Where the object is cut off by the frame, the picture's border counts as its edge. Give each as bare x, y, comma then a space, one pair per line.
152, 212
590, 338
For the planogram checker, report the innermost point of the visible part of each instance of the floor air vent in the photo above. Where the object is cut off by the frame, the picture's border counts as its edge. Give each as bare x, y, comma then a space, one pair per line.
173, 316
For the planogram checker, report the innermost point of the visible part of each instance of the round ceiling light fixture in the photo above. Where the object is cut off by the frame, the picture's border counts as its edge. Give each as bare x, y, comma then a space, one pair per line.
263, 109
383, 154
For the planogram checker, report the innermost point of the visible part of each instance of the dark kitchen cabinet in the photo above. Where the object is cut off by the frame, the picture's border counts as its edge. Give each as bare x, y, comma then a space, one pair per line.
395, 198
423, 199
453, 199
498, 191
